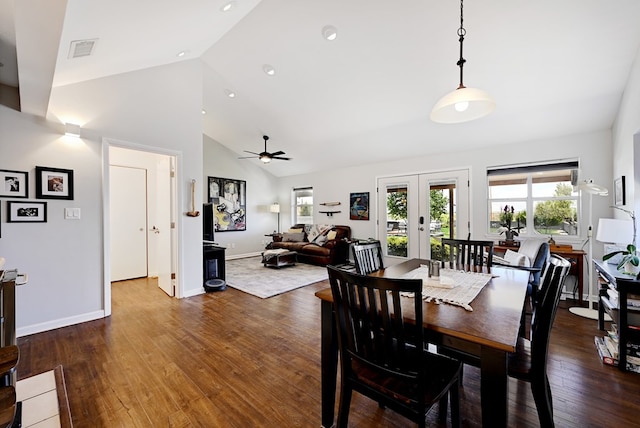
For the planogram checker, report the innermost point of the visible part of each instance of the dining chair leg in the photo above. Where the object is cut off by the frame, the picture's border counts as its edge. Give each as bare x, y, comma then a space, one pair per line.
444, 404
455, 406
541, 391
343, 407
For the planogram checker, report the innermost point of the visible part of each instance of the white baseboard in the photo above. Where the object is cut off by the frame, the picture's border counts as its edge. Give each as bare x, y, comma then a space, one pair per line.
62, 322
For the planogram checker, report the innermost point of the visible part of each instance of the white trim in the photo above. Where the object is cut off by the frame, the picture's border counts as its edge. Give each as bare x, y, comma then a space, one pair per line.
59, 323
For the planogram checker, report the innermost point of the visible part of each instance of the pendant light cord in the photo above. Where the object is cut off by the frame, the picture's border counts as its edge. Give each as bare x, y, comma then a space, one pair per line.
461, 33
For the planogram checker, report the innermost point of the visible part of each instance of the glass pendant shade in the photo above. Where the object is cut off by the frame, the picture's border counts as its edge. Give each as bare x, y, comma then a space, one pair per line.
462, 105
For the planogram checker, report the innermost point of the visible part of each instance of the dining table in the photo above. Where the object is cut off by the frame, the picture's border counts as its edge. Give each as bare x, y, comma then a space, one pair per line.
485, 334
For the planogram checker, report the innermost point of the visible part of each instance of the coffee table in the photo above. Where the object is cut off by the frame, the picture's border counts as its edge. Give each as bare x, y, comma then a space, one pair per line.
280, 259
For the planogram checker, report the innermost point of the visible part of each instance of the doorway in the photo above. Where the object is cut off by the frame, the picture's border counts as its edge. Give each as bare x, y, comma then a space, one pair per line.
416, 211
141, 208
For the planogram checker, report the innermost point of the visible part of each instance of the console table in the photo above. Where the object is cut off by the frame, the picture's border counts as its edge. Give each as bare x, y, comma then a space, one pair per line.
626, 319
575, 257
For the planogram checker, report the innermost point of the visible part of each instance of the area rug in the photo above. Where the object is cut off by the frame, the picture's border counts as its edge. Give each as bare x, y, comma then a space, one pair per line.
249, 275
44, 400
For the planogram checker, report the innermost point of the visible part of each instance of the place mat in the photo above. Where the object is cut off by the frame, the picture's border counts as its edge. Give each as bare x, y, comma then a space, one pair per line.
455, 287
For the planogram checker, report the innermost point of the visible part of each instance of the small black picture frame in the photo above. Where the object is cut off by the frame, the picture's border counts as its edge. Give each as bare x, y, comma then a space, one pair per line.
619, 197
14, 184
54, 183
26, 212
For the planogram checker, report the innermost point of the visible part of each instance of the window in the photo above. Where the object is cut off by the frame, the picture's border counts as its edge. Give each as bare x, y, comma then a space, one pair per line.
303, 208
534, 200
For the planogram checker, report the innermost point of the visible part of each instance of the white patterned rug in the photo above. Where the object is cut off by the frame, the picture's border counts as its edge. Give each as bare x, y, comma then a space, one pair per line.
250, 275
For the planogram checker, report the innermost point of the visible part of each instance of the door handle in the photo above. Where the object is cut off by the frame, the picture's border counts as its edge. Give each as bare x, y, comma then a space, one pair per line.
421, 229
155, 230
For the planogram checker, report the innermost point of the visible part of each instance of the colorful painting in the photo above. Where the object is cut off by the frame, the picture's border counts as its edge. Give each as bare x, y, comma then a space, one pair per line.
229, 199
359, 203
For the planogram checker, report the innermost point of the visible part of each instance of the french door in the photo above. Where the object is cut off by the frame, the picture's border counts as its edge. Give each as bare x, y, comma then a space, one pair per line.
414, 211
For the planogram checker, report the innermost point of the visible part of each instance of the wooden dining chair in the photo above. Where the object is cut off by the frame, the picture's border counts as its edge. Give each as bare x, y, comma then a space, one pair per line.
368, 257
467, 254
382, 356
529, 362
9, 356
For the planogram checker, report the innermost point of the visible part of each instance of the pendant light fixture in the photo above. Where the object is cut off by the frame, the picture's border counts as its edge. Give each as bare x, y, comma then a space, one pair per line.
463, 104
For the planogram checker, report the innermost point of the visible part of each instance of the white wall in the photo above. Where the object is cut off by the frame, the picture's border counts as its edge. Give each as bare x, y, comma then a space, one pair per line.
593, 151
159, 107
261, 188
625, 129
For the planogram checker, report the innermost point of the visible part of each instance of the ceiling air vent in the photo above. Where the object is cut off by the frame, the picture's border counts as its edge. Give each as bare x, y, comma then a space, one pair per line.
80, 48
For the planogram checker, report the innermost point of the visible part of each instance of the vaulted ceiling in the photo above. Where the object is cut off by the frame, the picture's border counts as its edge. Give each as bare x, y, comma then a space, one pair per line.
553, 67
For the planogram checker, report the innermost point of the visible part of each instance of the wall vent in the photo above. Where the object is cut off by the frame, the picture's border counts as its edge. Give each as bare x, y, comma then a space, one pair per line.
80, 48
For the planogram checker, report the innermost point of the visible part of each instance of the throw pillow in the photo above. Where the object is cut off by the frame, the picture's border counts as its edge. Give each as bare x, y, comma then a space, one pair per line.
292, 230
320, 240
293, 237
332, 235
515, 259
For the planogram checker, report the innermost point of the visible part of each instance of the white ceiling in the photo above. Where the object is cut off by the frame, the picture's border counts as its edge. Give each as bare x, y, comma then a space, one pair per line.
554, 67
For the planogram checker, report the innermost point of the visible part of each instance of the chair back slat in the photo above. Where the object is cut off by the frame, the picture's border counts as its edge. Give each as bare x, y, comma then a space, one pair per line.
545, 309
368, 257
467, 254
371, 326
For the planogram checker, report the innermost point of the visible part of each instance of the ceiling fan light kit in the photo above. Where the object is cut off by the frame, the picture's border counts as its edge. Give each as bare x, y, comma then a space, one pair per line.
463, 104
265, 156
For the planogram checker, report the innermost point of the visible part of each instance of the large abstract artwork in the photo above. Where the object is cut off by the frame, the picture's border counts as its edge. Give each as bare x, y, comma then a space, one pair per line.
229, 199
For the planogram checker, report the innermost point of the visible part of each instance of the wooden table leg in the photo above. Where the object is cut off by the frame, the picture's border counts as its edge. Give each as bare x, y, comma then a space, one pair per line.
328, 363
494, 387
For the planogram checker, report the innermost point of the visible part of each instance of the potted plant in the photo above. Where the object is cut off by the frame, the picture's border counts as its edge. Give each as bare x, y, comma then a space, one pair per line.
506, 217
629, 261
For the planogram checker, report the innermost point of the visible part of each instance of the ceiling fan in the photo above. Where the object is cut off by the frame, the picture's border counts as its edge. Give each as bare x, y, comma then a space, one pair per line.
266, 156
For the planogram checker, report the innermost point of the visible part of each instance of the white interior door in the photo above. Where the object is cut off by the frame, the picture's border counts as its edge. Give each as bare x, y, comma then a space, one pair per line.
161, 233
128, 202
406, 225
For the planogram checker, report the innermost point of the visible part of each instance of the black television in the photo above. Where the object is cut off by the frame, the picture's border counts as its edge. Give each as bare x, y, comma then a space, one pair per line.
207, 222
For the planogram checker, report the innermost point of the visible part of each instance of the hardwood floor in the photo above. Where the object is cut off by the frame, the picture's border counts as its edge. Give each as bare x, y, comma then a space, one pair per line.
229, 359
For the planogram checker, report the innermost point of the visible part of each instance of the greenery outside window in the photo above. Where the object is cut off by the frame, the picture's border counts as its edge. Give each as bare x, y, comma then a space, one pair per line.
303, 209
540, 197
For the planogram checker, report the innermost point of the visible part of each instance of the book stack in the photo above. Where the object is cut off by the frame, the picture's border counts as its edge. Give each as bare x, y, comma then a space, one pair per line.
608, 350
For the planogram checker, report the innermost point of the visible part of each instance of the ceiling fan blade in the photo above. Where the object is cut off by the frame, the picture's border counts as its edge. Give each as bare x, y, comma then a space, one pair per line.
281, 158
253, 153
247, 157
278, 153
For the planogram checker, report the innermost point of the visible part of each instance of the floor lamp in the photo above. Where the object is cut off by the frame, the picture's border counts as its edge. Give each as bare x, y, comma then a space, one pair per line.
592, 189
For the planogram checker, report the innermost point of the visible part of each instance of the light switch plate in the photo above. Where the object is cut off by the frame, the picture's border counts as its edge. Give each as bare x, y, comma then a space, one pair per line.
72, 213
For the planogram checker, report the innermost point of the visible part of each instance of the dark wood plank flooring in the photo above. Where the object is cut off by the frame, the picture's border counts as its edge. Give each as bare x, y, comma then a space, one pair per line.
229, 359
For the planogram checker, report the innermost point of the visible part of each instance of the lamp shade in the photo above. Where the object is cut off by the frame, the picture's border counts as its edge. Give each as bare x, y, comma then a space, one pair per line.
615, 231
274, 208
463, 105
593, 188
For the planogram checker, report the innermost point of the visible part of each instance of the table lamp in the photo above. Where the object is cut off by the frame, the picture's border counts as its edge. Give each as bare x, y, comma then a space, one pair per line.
616, 234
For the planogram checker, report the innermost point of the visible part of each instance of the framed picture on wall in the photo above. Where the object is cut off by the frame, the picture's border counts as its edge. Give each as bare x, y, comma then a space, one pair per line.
14, 184
359, 203
229, 199
26, 212
54, 183
619, 197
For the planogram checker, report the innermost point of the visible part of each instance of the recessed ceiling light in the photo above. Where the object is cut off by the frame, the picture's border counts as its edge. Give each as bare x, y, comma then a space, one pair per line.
228, 6
230, 93
329, 32
204, 111
181, 54
269, 70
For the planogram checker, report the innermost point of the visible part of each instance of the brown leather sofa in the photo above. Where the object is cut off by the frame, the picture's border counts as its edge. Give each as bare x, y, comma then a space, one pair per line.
321, 251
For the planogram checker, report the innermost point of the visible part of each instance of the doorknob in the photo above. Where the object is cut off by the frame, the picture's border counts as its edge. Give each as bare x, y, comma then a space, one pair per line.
421, 229
155, 229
